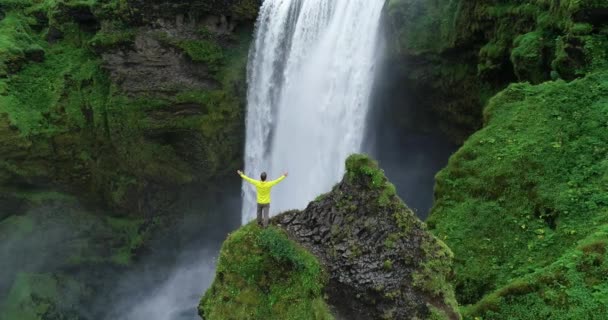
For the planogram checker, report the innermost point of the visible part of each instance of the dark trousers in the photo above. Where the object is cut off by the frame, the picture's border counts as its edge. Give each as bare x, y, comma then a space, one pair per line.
263, 214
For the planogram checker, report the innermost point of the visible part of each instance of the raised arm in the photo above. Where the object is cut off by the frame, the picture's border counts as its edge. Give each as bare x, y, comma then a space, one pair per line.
281, 178
246, 178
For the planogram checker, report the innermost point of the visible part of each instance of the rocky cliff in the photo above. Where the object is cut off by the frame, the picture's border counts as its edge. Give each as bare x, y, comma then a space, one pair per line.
376, 260
121, 102
448, 58
109, 110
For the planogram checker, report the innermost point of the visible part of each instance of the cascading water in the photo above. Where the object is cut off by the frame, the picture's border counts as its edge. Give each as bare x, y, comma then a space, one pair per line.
310, 75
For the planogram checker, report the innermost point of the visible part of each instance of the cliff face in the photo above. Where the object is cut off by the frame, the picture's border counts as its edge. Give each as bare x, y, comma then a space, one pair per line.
108, 110
522, 204
449, 57
121, 102
378, 259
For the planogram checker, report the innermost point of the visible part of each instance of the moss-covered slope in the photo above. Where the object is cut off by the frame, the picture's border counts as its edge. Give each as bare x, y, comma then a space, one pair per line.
70, 118
521, 201
522, 193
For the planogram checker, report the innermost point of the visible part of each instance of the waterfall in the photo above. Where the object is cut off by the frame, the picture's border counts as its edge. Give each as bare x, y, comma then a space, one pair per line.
310, 73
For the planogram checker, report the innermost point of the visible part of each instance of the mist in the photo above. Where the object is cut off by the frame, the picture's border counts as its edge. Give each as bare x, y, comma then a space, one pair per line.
410, 162
170, 279
174, 298
56, 245
405, 139
30, 243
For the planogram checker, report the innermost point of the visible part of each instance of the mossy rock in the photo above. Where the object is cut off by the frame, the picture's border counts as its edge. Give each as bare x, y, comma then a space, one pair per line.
66, 121
356, 252
382, 262
455, 55
261, 274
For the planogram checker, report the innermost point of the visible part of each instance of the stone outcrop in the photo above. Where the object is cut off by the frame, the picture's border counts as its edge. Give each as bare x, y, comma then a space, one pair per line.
381, 260
378, 260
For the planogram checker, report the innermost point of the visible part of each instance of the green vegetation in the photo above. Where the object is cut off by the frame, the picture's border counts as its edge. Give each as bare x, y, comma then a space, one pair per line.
261, 274
573, 287
52, 239
58, 105
360, 165
113, 33
34, 297
433, 265
16, 43
127, 232
203, 51
455, 55
516, 199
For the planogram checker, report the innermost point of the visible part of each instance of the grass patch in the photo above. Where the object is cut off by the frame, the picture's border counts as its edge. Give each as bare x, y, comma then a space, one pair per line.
262, 274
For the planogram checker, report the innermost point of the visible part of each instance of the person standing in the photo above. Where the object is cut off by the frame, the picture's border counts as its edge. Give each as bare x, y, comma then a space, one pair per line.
263, 188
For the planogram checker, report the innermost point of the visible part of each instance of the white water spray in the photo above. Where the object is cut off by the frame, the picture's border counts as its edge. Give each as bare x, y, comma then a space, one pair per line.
310, 74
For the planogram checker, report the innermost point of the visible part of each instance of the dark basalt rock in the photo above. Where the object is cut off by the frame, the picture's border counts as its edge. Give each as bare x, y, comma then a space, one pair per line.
81, 13
152, 67
382, 262
54, 35
152, 10
595, 16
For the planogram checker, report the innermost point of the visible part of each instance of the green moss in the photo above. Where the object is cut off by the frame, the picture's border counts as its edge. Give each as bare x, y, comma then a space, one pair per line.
423, 28
573, 287
131, 237
113, 33
206, 51
388, 264
522, 191
34, 297
360, 165
16, 226
42, 92
246, 9
527, 57
437, 314
16, 42
261, 274
389, 242
82, 132
493, 43
432, 274
203, 51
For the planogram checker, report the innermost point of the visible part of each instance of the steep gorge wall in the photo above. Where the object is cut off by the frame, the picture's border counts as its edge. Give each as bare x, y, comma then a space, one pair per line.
121, 102
108, 111
523, 203
449, 57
